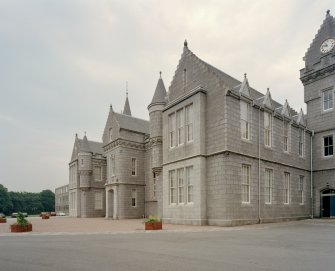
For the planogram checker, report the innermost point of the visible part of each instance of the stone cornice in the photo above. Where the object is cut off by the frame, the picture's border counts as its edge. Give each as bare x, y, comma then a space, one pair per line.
124, 143
319, 74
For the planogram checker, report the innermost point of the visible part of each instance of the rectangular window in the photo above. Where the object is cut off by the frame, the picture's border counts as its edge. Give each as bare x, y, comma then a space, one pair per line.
189, 122
98, 199
301, 189
97, 173
301, 142
154, 186
268, 185
246, 183
267, 129
133, 166
133, 198
172, 127
285, 136
188, 176
180, 126
328, 145
328, 99
172, 187
286, 188
245, 123
180, 178
81, 162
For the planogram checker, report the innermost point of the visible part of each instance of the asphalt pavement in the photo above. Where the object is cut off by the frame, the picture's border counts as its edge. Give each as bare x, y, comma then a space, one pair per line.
303, 245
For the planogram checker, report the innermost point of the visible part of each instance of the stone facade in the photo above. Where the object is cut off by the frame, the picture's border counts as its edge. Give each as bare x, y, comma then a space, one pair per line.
215, 151
62, 199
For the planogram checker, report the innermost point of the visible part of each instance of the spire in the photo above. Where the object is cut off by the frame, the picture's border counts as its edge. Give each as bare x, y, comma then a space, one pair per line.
84, 147
126, 109
160, 92
244, 89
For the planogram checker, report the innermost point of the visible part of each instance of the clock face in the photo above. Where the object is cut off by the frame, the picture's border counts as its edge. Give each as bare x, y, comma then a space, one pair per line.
327, 45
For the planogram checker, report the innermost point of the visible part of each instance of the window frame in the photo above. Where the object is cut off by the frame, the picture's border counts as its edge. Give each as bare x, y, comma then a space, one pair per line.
286, 136
246, 184
330, 147
268, 188
189, 185
98, 197
301, 142
189, 123
172, 188
134, 197
268, 131
301, 189
286, 188
133, 166
329, 100
172, 131
245, 121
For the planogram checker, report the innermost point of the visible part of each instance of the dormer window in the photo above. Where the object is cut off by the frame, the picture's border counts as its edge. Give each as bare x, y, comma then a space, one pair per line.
328, 99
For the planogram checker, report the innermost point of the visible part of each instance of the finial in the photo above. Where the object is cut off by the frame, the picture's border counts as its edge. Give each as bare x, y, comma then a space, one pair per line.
76, 135
268, 89
185, 43
127, 88
160, 74
85, 133
328, 12
245, 75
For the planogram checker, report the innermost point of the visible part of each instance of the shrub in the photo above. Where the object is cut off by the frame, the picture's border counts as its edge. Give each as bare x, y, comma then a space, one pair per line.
152, 219
21, 220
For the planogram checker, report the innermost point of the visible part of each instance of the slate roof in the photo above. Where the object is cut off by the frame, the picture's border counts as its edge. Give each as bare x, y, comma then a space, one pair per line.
95, 147
131, 123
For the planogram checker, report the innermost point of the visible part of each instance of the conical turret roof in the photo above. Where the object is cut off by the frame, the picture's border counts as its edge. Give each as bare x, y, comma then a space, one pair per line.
84, 146
160, 92
126, 109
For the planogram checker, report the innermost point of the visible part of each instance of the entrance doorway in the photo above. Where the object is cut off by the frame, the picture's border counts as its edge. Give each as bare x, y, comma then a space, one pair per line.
328, 203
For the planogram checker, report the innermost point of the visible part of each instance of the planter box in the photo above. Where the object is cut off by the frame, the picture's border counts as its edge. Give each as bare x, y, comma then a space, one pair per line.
152, 226
3, 220
18, 228
45, 216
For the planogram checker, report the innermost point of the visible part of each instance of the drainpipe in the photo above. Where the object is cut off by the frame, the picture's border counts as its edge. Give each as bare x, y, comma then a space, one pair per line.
311, 177
259, 165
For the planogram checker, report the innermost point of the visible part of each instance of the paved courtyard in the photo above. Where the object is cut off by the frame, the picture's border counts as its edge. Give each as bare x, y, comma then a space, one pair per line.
302, 245
92, 225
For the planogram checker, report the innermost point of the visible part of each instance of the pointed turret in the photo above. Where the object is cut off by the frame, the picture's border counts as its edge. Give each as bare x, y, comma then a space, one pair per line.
84, 147
245, 89
160, 93
267, 102
126, 109
286, 110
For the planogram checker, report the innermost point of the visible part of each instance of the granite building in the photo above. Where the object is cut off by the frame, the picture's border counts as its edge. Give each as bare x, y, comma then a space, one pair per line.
215, 151
62, 199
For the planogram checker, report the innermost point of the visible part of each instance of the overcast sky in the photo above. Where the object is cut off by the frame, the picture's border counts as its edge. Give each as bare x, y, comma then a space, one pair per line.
62, 63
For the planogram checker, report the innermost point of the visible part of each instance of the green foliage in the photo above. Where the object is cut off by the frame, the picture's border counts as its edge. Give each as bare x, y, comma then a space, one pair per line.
153, 219
21, 220
5, 201
48, 200
26, 202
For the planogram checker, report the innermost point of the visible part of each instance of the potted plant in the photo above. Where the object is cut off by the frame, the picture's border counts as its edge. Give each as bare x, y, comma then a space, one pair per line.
21, 225
45, 215
153, 223
3, 218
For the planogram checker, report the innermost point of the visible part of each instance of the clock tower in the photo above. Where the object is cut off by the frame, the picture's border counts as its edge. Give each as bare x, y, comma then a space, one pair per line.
318, 78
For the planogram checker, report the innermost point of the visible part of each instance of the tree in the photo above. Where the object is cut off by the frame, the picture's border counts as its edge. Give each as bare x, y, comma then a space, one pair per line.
48, 200
5, 201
